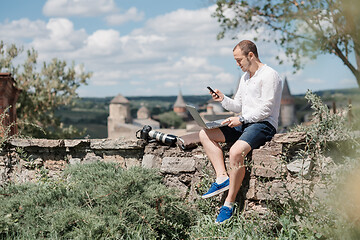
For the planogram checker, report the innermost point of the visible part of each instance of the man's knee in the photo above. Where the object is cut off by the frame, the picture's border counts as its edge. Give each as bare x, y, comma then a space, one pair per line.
236, 156
211, 135
239, 151
203, 135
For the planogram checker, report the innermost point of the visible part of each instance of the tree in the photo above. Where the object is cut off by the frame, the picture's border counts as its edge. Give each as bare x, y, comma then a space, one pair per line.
42, 92
171, 119
302, 28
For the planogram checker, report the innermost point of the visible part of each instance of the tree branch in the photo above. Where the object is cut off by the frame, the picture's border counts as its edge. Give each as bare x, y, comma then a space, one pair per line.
339, 53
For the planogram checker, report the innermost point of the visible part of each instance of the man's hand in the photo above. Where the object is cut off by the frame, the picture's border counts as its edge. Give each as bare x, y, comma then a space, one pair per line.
219, 97
232, 121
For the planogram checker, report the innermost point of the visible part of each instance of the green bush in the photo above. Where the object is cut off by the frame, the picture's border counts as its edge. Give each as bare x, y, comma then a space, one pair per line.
171, 119
95, 201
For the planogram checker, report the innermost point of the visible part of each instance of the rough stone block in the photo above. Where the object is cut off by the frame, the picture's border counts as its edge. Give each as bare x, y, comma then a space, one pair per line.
300, 166
113, 144
291, 137
91, 158
251, 193
132, 162
271, 190
76, 143
150, 161
277, 189
112, 158
55, 165
177, 165
266, 162
43, 143
174, 182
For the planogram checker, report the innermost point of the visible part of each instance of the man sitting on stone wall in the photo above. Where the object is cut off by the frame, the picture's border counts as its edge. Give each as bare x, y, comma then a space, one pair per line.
258, 99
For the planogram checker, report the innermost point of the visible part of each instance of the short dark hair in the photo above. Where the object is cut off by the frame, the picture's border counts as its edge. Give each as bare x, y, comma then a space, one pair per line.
247, 46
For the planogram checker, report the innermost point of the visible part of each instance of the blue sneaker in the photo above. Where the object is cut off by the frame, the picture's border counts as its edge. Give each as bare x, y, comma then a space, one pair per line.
217, 189
225, 214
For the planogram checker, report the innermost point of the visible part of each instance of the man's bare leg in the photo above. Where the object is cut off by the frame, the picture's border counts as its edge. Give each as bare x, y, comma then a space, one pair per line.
210, 139
237, 154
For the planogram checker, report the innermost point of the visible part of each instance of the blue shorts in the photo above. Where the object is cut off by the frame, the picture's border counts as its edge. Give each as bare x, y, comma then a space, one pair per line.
255, 134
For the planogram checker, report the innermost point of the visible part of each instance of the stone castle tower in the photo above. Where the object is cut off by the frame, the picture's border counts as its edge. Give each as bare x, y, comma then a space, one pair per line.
119, 113
287, 109
180, 106
143, 113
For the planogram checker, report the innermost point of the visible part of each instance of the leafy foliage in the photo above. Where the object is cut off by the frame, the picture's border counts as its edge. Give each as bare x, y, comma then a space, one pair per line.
95, 201
171, 119
302, 28
4, 130
327, 130
42, 91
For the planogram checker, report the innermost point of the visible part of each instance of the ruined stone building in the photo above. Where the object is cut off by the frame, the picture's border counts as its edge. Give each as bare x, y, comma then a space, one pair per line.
8, 97
287, 109
119, 110
144, 118
120, 122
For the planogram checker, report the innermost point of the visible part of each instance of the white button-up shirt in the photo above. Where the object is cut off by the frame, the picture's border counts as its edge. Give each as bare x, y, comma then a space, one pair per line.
258, 98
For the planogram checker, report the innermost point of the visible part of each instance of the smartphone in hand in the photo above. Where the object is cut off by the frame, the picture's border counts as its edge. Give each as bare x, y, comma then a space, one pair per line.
212, 91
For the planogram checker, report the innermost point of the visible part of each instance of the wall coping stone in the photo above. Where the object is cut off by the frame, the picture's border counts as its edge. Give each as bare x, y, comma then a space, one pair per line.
97, 144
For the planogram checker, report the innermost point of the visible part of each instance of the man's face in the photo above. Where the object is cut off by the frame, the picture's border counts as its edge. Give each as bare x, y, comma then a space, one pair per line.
242, 61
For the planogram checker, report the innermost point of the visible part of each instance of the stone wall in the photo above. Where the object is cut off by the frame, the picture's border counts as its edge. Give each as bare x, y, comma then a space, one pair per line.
30, 159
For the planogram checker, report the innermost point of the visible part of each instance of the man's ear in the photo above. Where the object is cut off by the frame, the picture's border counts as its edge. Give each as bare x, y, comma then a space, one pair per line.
251, 55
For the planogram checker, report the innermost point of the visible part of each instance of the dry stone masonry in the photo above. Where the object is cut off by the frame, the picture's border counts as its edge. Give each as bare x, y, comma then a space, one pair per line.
268, 178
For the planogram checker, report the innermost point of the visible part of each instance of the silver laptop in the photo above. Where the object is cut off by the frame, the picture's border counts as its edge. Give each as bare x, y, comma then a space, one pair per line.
209, 125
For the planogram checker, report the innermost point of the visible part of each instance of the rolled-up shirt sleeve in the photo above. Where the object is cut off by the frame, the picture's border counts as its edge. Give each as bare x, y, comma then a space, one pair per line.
233, 105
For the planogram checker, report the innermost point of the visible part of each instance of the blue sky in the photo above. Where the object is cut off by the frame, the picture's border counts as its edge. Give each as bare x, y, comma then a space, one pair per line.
145, 48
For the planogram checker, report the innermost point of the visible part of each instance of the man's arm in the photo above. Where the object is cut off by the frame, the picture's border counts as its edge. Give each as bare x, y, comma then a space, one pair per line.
233, 105
270, 92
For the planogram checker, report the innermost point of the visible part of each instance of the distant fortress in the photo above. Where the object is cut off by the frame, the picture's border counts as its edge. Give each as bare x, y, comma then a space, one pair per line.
120, 123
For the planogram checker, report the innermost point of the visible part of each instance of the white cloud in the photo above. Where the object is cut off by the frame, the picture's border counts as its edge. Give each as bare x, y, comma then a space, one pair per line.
177, 48
22, 29
61, 37
109, 78
225, 78
193, 64
60, 27
103, 42
130, 15
61, 8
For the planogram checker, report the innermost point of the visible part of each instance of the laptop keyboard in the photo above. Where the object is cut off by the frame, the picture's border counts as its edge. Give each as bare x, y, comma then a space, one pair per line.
213, 124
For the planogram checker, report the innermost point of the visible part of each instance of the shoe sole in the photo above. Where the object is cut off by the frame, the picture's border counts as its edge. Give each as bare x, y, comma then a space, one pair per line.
215, 193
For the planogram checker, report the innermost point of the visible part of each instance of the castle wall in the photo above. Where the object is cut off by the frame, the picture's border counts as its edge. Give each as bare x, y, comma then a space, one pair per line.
287, 115
120, 112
